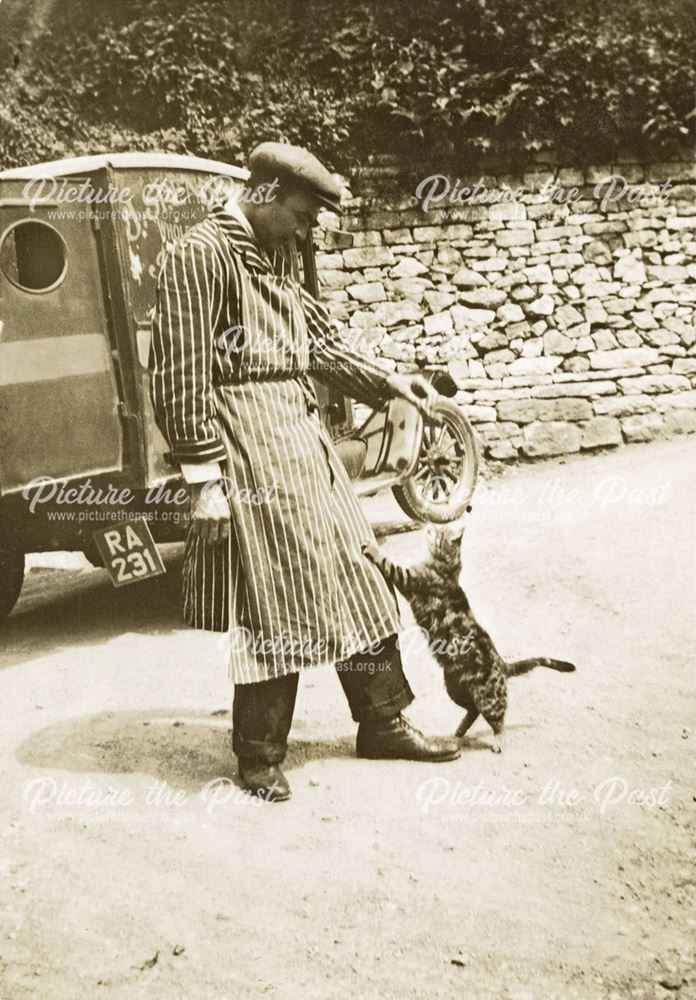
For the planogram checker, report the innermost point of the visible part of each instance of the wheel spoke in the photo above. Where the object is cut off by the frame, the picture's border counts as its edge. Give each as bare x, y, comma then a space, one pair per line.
451, 451
428, 434
450, 474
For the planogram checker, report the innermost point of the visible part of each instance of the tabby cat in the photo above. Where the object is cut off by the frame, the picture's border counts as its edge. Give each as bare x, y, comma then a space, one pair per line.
475, 672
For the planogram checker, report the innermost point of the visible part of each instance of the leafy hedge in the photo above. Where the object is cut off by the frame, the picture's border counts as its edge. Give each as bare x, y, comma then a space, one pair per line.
350, 79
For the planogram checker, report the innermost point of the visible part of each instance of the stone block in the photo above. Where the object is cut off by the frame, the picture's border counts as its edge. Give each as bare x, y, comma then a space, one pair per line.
556, 343
438, 300
496, 357
491, 264
595, 313
601, 432
604, 340
484, 298
588, 274
623, 406
532, 348
624, 357
502, 450
652, 384
543, 306
538, 274
629, 269
601, 289
496, 370
510, 313
492, 341
335, 279
597, 252
411, 288
523, 293
681, 223
625, 338
575, 364
408, 267
362, 257
478, 414
330, 261
466, 278
558, 232
550, 438
427, 234
398, 351
576, 332
438, 323
642, 427
464, 316
519, 411
586, 390
395, 313
535, 366
369, 292
644, 320
597, 228
460, 372
680, 422
369, 239
507, 211
567, 260
567, 315
457, 232
397, 236
661, 338
563, 409
684, 366
668, 273
514, 237
680, 400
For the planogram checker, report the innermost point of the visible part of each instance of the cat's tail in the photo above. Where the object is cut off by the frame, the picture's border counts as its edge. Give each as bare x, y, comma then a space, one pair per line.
518, 667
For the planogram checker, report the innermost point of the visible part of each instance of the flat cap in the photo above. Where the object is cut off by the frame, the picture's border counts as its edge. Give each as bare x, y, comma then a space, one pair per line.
279, 159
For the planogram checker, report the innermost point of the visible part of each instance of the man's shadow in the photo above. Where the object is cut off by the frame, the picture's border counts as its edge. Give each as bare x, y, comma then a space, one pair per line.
185, 748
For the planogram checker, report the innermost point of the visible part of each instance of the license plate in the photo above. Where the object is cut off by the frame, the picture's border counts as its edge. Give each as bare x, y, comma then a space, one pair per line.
129, 552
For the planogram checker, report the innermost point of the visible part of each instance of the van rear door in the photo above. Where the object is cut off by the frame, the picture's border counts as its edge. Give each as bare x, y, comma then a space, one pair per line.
59, 402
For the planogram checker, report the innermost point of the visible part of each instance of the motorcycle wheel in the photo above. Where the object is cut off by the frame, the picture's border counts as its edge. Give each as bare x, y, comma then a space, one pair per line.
11, 579
442, 484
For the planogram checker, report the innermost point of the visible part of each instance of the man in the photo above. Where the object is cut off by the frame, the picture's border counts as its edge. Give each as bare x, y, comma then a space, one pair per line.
274, 550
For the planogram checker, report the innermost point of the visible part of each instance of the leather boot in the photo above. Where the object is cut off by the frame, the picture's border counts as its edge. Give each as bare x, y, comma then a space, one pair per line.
264, 780
397, 738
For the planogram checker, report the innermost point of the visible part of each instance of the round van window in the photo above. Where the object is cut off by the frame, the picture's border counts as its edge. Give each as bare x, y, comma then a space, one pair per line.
33, 256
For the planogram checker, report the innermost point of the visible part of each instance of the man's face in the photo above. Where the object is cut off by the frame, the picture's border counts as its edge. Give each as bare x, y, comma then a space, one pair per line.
288, 216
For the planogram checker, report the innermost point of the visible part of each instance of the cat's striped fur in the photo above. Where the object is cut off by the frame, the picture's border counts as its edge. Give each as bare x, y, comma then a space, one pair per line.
475, 672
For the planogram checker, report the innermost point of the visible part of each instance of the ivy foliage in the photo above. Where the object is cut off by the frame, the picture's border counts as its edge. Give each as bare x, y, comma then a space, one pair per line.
348, 78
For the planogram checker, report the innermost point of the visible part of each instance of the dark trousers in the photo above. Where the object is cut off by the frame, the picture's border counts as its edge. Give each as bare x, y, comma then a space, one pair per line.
373, 682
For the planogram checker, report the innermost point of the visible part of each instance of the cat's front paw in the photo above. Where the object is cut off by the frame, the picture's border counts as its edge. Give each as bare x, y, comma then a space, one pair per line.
371, 551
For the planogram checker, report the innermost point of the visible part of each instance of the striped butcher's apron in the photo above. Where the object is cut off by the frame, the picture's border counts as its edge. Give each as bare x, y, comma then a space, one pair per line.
234, 338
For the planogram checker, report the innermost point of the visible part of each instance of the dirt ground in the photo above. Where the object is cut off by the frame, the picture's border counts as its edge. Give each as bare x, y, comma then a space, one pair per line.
132, 866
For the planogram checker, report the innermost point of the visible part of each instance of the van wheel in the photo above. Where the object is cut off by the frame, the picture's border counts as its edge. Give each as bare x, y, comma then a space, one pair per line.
441, 486
11, 579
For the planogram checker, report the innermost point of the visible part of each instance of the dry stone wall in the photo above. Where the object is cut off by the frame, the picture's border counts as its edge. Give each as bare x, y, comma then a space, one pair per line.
564, 312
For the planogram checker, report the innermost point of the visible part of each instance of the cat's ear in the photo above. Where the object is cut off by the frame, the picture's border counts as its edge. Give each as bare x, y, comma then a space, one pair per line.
431, 533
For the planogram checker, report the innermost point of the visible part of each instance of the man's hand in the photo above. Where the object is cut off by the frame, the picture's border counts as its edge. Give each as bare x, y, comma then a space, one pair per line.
210, 512
416, 390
